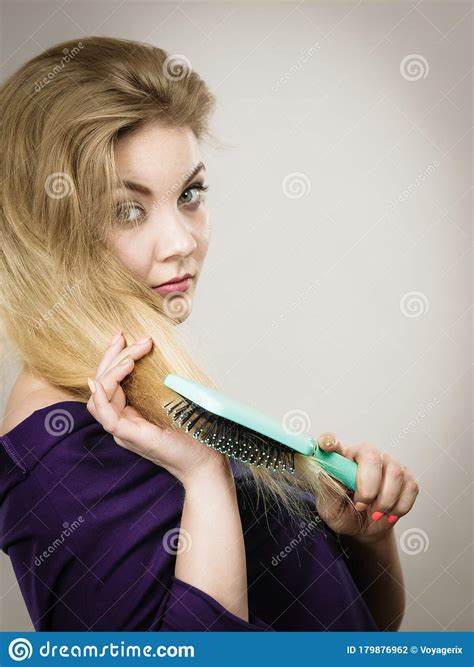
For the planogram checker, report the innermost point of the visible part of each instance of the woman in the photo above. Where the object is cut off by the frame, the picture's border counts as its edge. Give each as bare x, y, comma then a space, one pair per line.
102, 206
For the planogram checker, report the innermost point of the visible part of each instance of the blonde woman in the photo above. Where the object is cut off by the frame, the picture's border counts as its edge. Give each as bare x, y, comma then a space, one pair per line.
112, 517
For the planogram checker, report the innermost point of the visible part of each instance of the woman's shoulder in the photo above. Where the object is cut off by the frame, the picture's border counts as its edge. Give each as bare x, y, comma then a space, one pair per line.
37, 418
60, 456
29, 394
43, 429
48, 435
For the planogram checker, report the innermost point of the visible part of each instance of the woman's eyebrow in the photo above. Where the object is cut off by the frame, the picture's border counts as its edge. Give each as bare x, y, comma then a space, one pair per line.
137, 187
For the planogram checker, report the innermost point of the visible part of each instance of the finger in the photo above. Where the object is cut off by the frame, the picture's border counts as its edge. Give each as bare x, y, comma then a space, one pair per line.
406, 500
329, 442
135, 350
103, 411
328, 501
107, 415
110, 419
112, 378
390, 488
90, 405
369, 474
111, 352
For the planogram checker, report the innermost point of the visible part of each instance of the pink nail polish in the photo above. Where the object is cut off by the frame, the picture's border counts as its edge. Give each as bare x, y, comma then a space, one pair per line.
393, 518
376, 516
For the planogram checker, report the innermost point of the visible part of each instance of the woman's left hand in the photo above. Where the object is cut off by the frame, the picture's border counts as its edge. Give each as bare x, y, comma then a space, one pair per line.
386, 490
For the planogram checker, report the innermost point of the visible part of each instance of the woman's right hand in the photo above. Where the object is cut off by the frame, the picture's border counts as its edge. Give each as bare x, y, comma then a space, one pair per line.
183, 456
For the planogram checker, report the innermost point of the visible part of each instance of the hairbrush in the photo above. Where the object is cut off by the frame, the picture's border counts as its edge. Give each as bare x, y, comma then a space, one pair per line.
245, 434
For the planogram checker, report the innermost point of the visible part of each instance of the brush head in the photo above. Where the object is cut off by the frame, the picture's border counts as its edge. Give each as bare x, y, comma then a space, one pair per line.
243, 433
230, 438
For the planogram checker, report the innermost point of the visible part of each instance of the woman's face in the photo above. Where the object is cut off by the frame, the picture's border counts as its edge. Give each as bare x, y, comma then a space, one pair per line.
164, 233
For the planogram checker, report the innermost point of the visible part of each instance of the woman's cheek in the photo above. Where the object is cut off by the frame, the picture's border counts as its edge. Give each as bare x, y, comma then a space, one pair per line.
133, 251
205, 229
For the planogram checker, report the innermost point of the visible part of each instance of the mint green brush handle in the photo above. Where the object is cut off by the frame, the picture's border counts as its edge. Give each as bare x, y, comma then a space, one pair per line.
337, 466
221, 405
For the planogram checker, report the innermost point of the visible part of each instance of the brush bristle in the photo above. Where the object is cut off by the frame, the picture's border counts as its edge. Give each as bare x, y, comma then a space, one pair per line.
229, 438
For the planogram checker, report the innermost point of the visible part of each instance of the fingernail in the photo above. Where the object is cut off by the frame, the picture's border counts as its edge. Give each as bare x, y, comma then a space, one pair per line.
360, 507
376, 516
91, 384
327, 439
116, 337
393, 518
145, 339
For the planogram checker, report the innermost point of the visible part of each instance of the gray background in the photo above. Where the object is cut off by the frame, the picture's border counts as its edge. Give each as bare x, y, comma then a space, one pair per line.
338, 282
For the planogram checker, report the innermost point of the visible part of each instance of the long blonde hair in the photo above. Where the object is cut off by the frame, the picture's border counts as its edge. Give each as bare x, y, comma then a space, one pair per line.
63, 292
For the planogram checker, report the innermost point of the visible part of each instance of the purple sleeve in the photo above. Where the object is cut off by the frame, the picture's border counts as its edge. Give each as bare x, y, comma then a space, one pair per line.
190, 608
86, 536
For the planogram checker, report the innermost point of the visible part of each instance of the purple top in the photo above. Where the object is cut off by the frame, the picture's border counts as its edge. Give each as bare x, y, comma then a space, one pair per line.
91, 527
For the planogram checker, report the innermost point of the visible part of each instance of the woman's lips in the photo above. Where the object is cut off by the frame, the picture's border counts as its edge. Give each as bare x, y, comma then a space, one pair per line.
168, 288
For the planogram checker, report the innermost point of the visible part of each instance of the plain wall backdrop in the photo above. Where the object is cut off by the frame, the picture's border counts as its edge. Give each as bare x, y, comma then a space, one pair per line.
337, 292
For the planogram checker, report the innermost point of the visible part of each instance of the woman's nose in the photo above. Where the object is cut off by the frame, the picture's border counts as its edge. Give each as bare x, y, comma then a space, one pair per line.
173, 237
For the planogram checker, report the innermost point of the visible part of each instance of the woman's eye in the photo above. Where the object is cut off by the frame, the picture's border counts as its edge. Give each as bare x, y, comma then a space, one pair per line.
194, 195
127, 213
